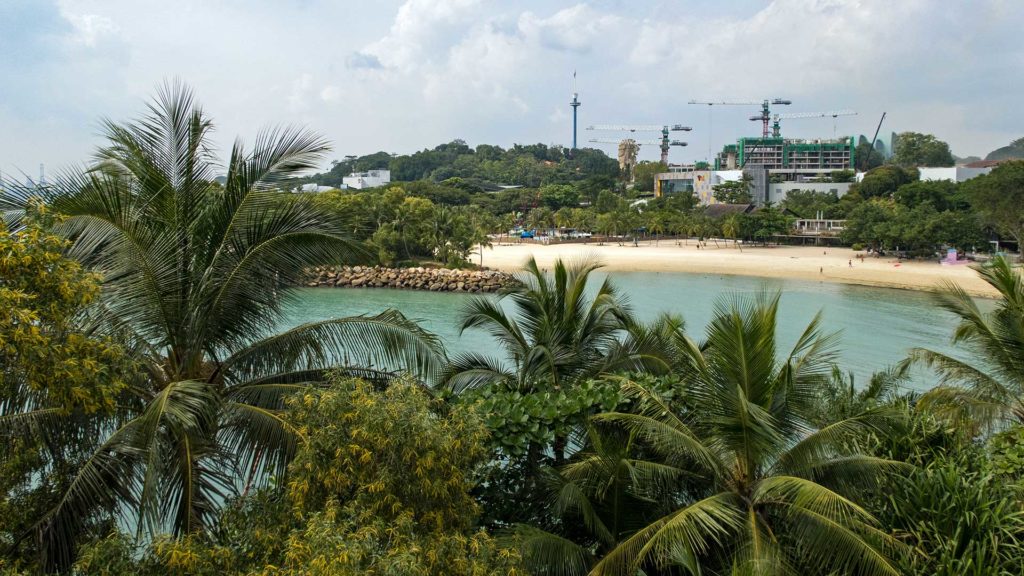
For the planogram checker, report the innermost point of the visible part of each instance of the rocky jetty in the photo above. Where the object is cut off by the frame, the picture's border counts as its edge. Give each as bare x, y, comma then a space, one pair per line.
432, 279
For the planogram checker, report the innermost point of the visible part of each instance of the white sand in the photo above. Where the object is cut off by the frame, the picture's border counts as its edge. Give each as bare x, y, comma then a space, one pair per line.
803, 262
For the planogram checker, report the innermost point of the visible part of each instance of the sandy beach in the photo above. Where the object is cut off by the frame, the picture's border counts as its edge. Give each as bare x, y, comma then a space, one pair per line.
802, 262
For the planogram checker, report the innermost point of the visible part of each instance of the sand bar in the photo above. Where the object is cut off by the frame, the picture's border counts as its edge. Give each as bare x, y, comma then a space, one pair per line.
801, 262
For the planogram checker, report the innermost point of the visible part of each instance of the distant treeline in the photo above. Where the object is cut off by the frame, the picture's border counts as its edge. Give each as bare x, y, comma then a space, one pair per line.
484, 166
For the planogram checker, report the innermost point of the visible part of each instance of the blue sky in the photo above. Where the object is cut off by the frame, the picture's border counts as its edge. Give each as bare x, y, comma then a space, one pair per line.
400, 76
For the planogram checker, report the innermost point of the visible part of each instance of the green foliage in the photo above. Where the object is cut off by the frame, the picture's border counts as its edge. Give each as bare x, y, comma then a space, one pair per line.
398, 227
47, 359
379, 486
555, 196
867, 157
734, 191
842, 175
922, 230
998, 197
764, 224
525, 165
608, 201
556, 335
754, 488
959, 517
914, 149
197, 276
884, 181
643, 175
59, 381
988, 391
940, 194
808, 203
516, 420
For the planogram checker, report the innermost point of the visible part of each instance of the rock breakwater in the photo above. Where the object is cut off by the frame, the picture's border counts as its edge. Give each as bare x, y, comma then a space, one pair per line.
432, 279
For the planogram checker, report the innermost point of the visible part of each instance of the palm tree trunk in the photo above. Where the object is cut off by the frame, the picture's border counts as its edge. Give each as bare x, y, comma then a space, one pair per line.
559, 449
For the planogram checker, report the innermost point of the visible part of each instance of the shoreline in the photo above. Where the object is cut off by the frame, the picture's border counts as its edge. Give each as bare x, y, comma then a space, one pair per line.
826, 264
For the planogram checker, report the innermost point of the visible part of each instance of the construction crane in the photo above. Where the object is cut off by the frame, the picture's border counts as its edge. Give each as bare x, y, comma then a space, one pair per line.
776, 131
638, 142
665, 143
765, 116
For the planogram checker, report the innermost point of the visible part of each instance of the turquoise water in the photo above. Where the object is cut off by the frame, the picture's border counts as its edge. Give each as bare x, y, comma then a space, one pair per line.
877, 325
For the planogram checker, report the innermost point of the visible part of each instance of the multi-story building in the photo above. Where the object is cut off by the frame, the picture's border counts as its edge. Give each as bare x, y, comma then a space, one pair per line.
788, 158
765, 185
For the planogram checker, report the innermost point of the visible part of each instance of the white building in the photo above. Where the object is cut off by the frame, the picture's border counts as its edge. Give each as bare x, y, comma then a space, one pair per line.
313, 188
949, 173
702, 183
370, 179
952, 173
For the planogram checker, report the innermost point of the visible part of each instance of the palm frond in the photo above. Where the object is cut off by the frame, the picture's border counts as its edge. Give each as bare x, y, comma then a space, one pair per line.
386, 341
693, 530
550, 554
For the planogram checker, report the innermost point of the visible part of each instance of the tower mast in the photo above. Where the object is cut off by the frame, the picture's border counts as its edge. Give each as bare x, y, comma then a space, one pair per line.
575, 104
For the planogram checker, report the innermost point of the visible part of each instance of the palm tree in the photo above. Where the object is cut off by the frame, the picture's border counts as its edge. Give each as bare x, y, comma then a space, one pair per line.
656, 224
989, 391
196, 279
556, 333
599, 498
731, 228
768, 492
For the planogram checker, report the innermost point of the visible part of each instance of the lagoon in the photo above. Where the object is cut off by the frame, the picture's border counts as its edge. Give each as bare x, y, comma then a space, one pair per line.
877, 325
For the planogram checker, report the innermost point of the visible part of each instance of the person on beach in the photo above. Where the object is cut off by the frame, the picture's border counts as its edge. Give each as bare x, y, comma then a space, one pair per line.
850, 262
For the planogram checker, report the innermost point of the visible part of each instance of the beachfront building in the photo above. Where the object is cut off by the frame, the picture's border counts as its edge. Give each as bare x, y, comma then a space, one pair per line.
368, 179
775, 166
699, 181
767, 185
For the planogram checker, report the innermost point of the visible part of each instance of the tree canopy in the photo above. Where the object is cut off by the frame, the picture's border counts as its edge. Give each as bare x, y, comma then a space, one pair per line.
912, 149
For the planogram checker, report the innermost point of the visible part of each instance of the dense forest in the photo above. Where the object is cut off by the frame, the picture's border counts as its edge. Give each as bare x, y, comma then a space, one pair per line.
157, 420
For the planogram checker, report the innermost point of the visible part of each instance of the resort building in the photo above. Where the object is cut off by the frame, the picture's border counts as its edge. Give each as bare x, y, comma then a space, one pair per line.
369, 179
767, 185
775, 166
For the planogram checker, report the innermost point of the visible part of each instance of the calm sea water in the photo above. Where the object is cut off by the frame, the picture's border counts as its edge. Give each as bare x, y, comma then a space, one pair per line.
877, 325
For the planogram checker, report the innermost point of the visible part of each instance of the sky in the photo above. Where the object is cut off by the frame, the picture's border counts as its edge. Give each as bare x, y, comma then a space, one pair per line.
402, 76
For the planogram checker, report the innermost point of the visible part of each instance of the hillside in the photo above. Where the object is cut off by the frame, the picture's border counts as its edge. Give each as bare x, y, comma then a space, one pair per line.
529, 165
1015, 150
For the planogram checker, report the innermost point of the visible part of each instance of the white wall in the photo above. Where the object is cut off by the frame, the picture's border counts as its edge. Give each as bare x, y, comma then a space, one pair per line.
952, 174
777, 191
371, 179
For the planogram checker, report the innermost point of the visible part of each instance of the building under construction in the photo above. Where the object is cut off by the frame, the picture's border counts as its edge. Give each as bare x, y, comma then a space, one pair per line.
786, 157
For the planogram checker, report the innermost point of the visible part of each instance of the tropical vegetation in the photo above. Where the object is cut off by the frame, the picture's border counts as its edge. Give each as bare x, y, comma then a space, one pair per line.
159, 417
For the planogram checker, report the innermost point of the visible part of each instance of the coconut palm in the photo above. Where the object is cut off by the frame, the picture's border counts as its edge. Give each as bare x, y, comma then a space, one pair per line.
989, 390
602, 496
197, 276
772, 494
556, 333
731, 229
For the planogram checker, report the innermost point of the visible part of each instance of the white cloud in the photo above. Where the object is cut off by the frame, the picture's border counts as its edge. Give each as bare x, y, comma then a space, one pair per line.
400, 76
579, 28
89, 29
420, 29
